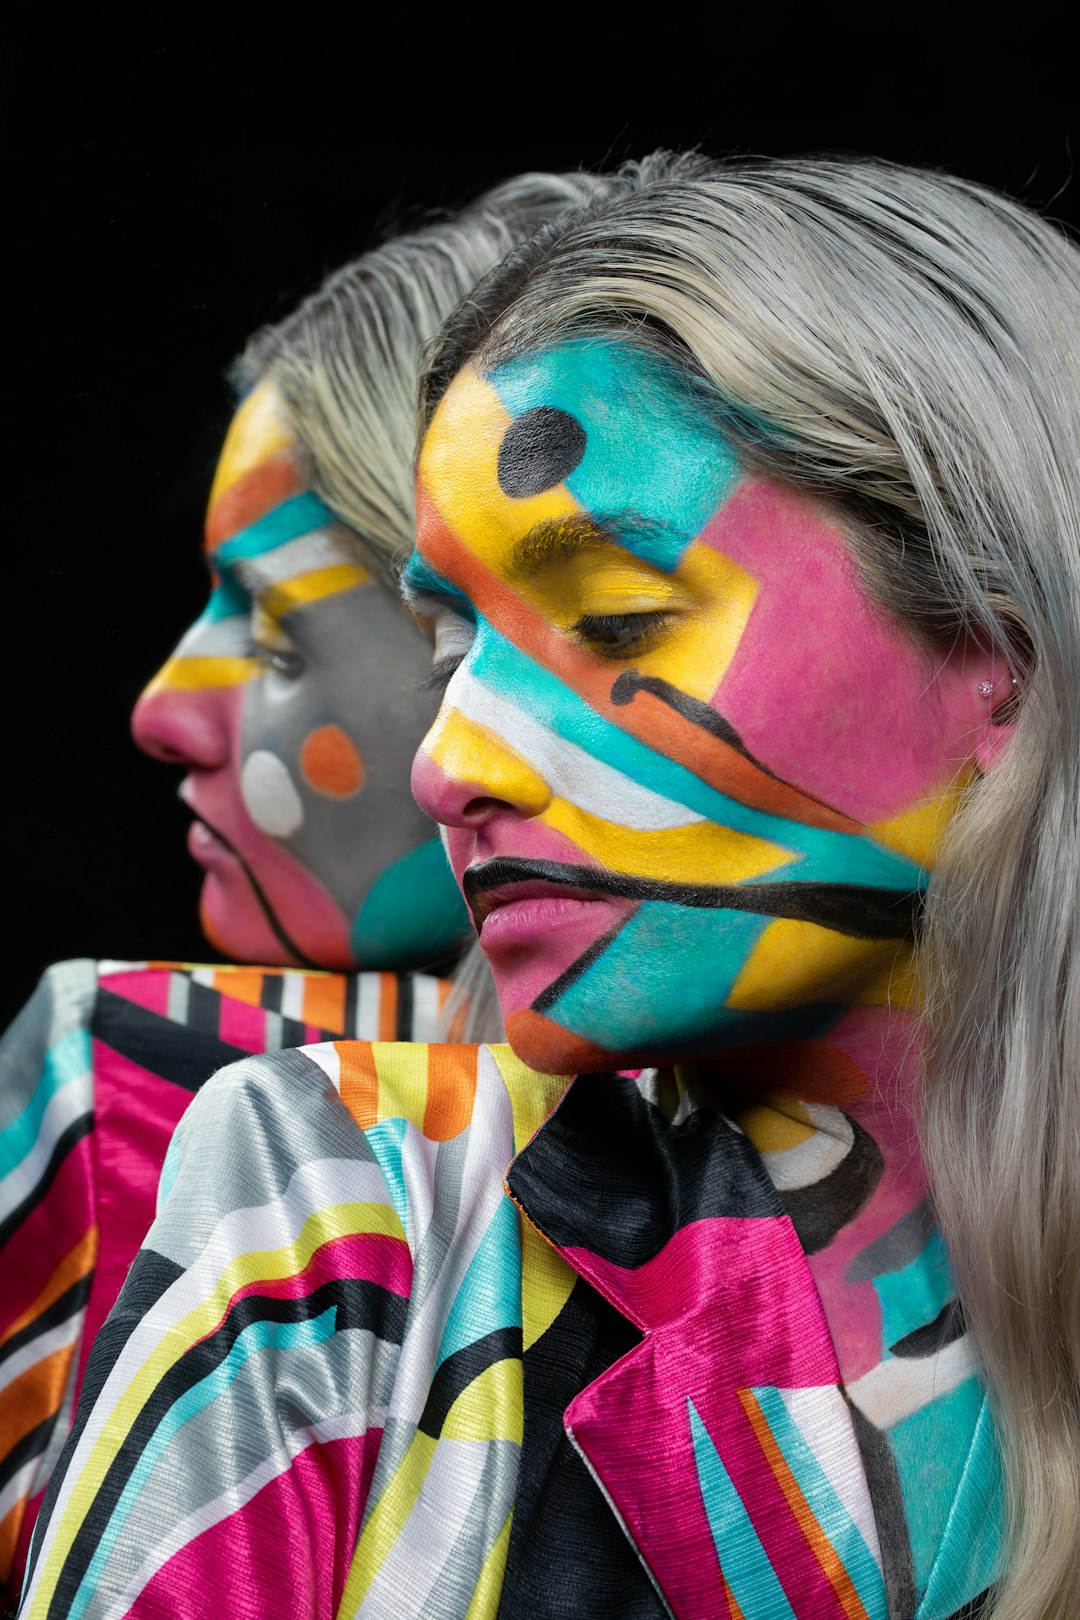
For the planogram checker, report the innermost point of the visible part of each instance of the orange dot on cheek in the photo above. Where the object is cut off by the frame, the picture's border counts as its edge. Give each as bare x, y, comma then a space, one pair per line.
331, 763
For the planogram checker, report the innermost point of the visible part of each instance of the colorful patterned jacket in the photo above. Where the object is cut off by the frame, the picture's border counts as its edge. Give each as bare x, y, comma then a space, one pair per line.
692, 1365
94, 1075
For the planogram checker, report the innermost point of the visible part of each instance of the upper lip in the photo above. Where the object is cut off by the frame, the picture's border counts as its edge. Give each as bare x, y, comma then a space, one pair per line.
501, 881
186, 797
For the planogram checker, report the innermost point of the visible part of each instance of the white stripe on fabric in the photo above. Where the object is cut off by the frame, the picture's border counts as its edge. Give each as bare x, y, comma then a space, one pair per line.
571, 773
72, 1101
821, 1416
894, 1389
368, 1001
292, 996
37, 1348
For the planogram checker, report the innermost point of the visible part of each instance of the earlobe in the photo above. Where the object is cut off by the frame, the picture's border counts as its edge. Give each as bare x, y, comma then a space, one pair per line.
999, 694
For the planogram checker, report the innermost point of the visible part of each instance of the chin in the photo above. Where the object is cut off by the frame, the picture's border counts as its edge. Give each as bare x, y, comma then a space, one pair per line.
550, 1049
236, 933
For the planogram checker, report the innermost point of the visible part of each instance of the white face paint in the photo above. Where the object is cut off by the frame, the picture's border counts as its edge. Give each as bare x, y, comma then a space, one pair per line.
270, 795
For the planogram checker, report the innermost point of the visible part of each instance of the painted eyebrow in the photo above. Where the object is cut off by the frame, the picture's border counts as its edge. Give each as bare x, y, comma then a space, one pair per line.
557, 540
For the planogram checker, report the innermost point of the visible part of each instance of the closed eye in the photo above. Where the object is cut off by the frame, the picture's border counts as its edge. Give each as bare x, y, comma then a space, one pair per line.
441, 673
618, 635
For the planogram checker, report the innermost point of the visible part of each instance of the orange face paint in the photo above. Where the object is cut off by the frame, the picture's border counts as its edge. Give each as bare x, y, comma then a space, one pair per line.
331, 763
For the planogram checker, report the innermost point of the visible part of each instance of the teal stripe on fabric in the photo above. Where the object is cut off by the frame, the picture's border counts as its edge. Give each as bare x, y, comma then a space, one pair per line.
490, 1293
914, 1296
169, 1169
844, 1534
387, 1140
969, 1556
68, 1059
743, 1559
825, 856
276, 1336
655, 452
299, 515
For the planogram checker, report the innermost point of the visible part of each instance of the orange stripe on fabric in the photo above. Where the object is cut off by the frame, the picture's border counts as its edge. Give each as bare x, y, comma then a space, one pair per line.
77, 1263
33, 1396
251, 497
324, 1002
10, 1526
359, 1081
647, 718
818, 1542
451, 1091
734, 1611
388, 998
242, 984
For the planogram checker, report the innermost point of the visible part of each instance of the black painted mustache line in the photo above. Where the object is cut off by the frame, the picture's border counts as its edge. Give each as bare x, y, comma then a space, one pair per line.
846, 908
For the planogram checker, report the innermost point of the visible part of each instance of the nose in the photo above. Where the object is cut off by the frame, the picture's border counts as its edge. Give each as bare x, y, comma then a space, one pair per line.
464, 773
181, 722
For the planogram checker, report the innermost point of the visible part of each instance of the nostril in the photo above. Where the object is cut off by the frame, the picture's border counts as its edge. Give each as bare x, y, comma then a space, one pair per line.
481, 809
180, 728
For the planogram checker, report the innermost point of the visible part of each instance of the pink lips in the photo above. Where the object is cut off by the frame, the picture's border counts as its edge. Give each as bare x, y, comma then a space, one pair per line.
205, 847
517, 913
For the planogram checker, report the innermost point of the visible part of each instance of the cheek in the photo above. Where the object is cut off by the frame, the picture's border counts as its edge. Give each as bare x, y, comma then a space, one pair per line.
824, 690
270, 794
331, 763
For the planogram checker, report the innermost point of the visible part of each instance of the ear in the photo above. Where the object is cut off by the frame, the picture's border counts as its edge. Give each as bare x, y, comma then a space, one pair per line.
983, 689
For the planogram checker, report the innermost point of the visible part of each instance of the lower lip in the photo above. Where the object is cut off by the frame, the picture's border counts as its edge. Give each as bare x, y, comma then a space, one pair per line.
206, 847
520, 922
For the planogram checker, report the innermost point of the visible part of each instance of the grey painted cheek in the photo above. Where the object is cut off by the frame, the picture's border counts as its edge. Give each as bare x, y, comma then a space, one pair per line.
363, 662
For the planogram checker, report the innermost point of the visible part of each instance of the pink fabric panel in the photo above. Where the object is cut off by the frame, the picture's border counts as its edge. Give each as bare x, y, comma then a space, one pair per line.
286, 1553
49, 1232
368, 1257
727, 1304
242, 1025
137, 1112
146, 987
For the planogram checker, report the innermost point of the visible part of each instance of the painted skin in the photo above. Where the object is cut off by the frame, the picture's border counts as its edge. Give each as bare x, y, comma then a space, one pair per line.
692, 776
295, 701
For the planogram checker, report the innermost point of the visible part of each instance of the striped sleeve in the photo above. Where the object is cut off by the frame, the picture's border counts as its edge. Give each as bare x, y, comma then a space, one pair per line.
233, 1405
48, 1235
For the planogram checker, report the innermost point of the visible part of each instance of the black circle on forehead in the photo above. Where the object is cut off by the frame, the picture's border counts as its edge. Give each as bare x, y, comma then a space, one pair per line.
540, 448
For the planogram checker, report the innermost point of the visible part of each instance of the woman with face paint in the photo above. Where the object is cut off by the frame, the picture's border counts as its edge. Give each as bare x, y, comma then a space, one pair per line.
748, 535
294, 704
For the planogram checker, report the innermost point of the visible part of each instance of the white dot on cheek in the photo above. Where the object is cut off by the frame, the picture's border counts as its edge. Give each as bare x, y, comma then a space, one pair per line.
270, 795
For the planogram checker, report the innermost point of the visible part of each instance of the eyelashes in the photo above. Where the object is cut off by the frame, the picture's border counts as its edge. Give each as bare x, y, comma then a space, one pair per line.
441, 674
618, 635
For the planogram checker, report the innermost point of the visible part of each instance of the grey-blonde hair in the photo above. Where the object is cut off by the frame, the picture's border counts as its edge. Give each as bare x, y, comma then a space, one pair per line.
906, 344
345, 361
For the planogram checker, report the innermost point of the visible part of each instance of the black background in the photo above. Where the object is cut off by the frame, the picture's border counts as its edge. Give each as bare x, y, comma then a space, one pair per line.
162, 200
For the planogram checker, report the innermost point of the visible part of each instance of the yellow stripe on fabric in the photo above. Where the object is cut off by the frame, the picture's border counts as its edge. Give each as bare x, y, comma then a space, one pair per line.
402, 1071
270, 1265
315, 586
386, 1521
546, 1283
197, 674
459, 471
703, 852
491, 1407
822, 1548
532, 1095
487, 1594
773, 1131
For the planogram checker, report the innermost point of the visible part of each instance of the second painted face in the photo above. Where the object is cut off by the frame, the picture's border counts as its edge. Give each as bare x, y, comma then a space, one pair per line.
693, 776
296, 701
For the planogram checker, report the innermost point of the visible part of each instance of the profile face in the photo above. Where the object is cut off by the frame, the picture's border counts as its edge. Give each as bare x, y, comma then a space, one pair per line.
295, 701
692, 775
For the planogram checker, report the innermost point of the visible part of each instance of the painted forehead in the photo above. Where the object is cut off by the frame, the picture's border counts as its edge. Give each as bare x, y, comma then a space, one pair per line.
260, 498
593, 428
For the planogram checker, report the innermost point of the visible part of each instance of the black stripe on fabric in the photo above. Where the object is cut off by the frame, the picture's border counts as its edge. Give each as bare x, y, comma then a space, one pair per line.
31, 1445
359, 1305
845, 908
63, 1145
948, 1326
890, 1515
65, 1306
352, 997
184, 1054
637, 1178
463, 1368
973, 1607
271, 992
293, 1032
405, 1000
819, 1211
150, 1275
558, 987
569, 1556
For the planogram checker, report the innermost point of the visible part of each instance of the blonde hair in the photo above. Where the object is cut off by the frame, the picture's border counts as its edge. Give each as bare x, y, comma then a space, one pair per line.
906, 344
345, 361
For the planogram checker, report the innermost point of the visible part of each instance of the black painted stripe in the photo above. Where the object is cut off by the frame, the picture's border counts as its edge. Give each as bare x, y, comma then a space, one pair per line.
819, 1211
948, 1326
549, 996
